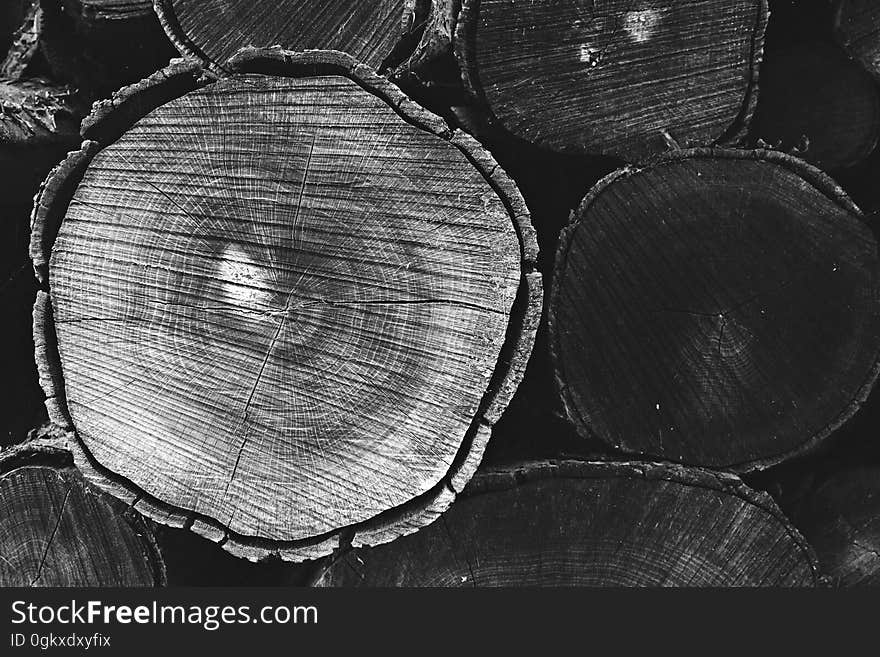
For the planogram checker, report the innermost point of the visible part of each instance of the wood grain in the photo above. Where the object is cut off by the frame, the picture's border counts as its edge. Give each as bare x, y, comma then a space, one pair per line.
56, 530
287, 305
618, 78
717, 308
213, 30
593, 524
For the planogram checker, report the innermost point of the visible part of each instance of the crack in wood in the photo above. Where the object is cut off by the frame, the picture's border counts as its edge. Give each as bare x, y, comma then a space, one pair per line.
51, 537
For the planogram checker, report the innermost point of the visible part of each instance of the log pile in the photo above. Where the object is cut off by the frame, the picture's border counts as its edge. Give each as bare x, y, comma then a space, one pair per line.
380, 295
286, 292
576, 523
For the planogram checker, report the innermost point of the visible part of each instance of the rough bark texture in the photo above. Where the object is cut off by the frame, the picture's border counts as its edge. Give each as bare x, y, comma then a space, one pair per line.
619, 78
857, 29
310, 303
818, 104
716, 308
57, 530
593, 524
378, 33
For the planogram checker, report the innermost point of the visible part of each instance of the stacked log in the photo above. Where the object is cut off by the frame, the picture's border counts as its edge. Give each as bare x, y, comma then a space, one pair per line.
280, 309
300, 317
616, 78
378, 33
593, 524
717, 308
57, 530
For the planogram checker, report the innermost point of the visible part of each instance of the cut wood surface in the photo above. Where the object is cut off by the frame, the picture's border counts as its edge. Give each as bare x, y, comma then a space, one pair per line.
375, 32
593, 524
817, 103
717, 308
857, 28
57, 530
618, 78
287, 307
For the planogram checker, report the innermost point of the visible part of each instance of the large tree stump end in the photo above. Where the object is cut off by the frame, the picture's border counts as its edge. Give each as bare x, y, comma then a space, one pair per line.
112, 120
621, 79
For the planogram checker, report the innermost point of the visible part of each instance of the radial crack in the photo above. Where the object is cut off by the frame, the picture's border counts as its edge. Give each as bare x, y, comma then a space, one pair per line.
250, 398
51, 536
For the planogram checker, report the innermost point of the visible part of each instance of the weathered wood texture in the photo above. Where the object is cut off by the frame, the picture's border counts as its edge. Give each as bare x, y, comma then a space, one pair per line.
818, 104
593, 524
100, 46
839, 514
619, 78
57, 530
288, 307
857, 29
378, 33
717, 308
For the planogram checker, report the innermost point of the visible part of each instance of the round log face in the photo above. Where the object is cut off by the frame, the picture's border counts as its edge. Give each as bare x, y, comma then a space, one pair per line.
717, 309
368, 30
594, 525
55, 532
612, 77
279, 304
